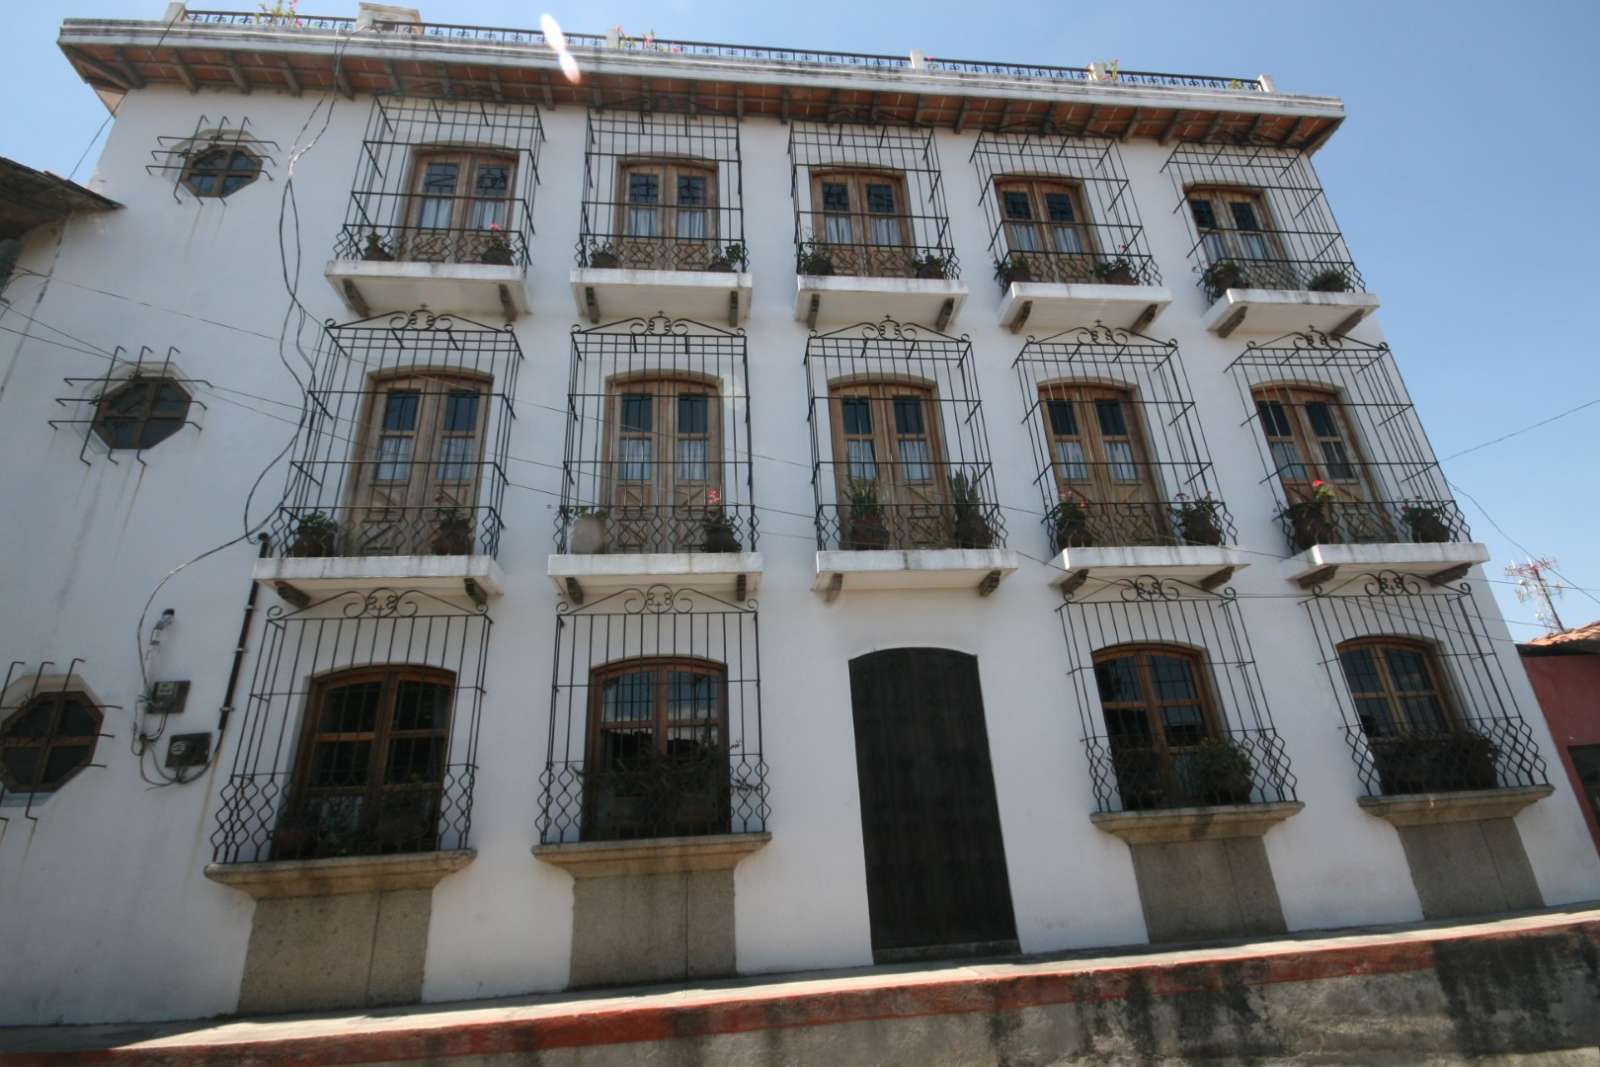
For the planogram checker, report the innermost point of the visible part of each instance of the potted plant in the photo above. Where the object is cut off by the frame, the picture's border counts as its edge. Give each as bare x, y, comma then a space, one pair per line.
452, 532
1198, 523
1139, 778
971, 529
728, 260
376, 250
1426, 523
1329, 280
864, 527
931, 265
1221, 772
315, 534
1117, 271
717, 532
1472, 759
1311, 521
603, 254
496, 248
1012, 269
587, 532
1069, 524
1223, 275
815, 259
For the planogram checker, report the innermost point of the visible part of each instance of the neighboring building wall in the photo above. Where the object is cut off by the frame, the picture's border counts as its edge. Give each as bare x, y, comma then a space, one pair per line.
1567, 685
107, 915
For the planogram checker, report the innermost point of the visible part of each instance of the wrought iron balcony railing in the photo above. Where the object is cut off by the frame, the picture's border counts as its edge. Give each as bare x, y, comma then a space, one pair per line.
1485, 754
385, 228
927, 506
607, 248
373, 530
1355, 522
1082, 523
1237, 767
656, 528
1221, 272
264, 816
926, 253
1081, 268
672, 794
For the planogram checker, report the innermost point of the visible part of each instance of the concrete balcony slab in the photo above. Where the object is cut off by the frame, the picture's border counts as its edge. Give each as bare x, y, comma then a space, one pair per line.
718, 298
1439, 563
1048, 307
1204, 566
925, 568
482, 290
296, 578
839, 300
591, 577
1279, 311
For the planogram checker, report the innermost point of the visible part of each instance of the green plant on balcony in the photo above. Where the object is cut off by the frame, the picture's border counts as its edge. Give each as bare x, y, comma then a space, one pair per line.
1198, 520
1428, 523
1221, 772
603, 255
496, 247
1329, 280
315, 534
1223, 275
730, 259
931, 265
452, 532
969, 526
1432, 763
816, 258
716, 529
1141, 776
376, 250
588, 533
1118, 270
1311, 521
1013, 268
1069, 523
864, 525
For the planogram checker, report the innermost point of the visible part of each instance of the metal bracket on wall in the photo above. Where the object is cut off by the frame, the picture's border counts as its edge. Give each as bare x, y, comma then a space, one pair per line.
990, 583
733, 309
1212, 581
1231, 323
1317, 577
505, 303
1450, 574
592, 304
1021, 318
353, 297
740, 587
574, 592
291, 595
475, 592
1146, 317
1073, 582
811, 313
947, 310
830, 594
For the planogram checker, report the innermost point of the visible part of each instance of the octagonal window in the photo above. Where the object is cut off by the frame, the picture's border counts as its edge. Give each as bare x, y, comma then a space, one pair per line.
220, 171
141, 413
48, 740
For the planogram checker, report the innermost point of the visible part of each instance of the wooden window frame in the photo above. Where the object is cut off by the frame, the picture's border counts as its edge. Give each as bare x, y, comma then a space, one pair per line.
1389, 691
1228, 233
1047, 262
193, 167
152, 387
50, 740
667, 490
1152, 706
1294, 398
1132, 513
468, 159
662, 668
668, 170
861, 255
902, 499
382, 735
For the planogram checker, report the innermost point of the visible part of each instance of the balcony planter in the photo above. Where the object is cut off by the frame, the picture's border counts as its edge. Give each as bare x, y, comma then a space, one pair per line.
1115, 272
719, 533
1069, 526
603, 257
1139, 778
966, 503
1331, 280
814, 260
728, 260
1222, 276
1424, 764
497, 251
315, 535
375, 251
452, 536
1222, 772
930, 266
1197, 522
1309, 526
588, 535
1012, 270
1426, 524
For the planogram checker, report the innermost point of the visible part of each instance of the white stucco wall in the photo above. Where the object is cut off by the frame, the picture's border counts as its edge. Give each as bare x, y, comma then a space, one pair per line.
105, 913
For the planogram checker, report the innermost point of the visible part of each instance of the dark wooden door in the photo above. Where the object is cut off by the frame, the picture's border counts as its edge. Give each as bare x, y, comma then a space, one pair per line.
936, 864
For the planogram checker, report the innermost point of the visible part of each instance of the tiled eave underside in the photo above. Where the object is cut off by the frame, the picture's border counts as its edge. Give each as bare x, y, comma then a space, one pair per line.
115, 57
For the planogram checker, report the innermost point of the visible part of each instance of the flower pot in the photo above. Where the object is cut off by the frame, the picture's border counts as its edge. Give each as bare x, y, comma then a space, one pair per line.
720, 265
867, 533
454, 540
588, 535
817, 266
1200, 529
315, 541
1118, 274
1311, 528
1329, 281
1015, 271
1221, 277
375, 252
930, 270
604, 260
719, 539
972, 532
1428, 529
499, 255
1073, 533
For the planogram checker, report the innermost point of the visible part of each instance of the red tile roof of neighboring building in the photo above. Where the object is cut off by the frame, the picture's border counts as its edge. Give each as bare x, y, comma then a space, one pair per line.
1577, 639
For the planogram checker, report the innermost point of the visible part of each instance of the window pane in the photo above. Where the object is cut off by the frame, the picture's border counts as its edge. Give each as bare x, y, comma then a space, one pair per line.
880, 199
493, 180
394, 459
1255, 246
400, 411
1118, 681
488, 214
642, 222
916, 460
1024, 238
414, 760
638, 412
861, 461
1320, 415
169, 400
1407, 669
1069, 457
340, 763
440, 178
234, 182
1120, 455
1068, 240
691, 696
1184, 725
242, 163
22, 763
456, 456
77, 719
628, 698
1244, 216
1173, 678
644, 189
1127, 727
421, 705
1377, 720
836, 229
857, 415
461, 413
1204, 216
1424, 714
350, 709
1058, 208
1360, 671
63, 761
885, 231
692, 414
635, 459
35, 721
154, 431
1113, 421
692, 460
202, 183
691, 224
1337, 461
908, 415
1017, 205
691, 190
835, 196
1286, 460
1063, 420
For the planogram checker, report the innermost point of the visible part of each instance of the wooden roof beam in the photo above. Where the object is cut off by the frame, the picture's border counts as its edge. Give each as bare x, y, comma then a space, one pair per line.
126, 65
444, 80
1250, 134
1172, 126
238, 75
342, 80
1133, 124
102, 70
184, 73
290, 79
499, 90
1005, 116
961, 115
1094, 113
1216, 124
394, 76
738, 100
1294, 132
783, 106
916, 114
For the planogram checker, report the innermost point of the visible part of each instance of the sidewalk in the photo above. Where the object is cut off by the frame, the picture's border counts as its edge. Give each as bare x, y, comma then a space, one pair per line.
1413, 993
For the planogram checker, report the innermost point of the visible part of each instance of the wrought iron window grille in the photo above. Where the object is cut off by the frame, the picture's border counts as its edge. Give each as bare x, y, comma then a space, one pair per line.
1335, 411
405, 441
1060, 209
1152, 484
891, 220
899, 447
34, 750
655, 719
176, 155
658, 445
1282, 234
1228, 751
315, 777
91, 393
1460, 727
662, 191
444, 181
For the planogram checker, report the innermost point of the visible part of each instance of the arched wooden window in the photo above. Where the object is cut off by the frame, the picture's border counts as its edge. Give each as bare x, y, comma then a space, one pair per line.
1047, 227
1158, 709
419, 462
370, 768
1098, 454
864, 220
1311, 438
460, 205
662, 460
1233, 223
666, 214
888, 446
1397, 686
657, 763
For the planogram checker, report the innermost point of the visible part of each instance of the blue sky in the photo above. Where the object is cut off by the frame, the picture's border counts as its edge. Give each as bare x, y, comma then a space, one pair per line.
1465, 181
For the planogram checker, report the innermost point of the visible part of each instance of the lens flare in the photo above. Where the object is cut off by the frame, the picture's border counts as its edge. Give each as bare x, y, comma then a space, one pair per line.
552, 33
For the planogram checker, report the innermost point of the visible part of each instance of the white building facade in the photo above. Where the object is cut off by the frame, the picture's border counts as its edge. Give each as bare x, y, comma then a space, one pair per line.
743, 511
